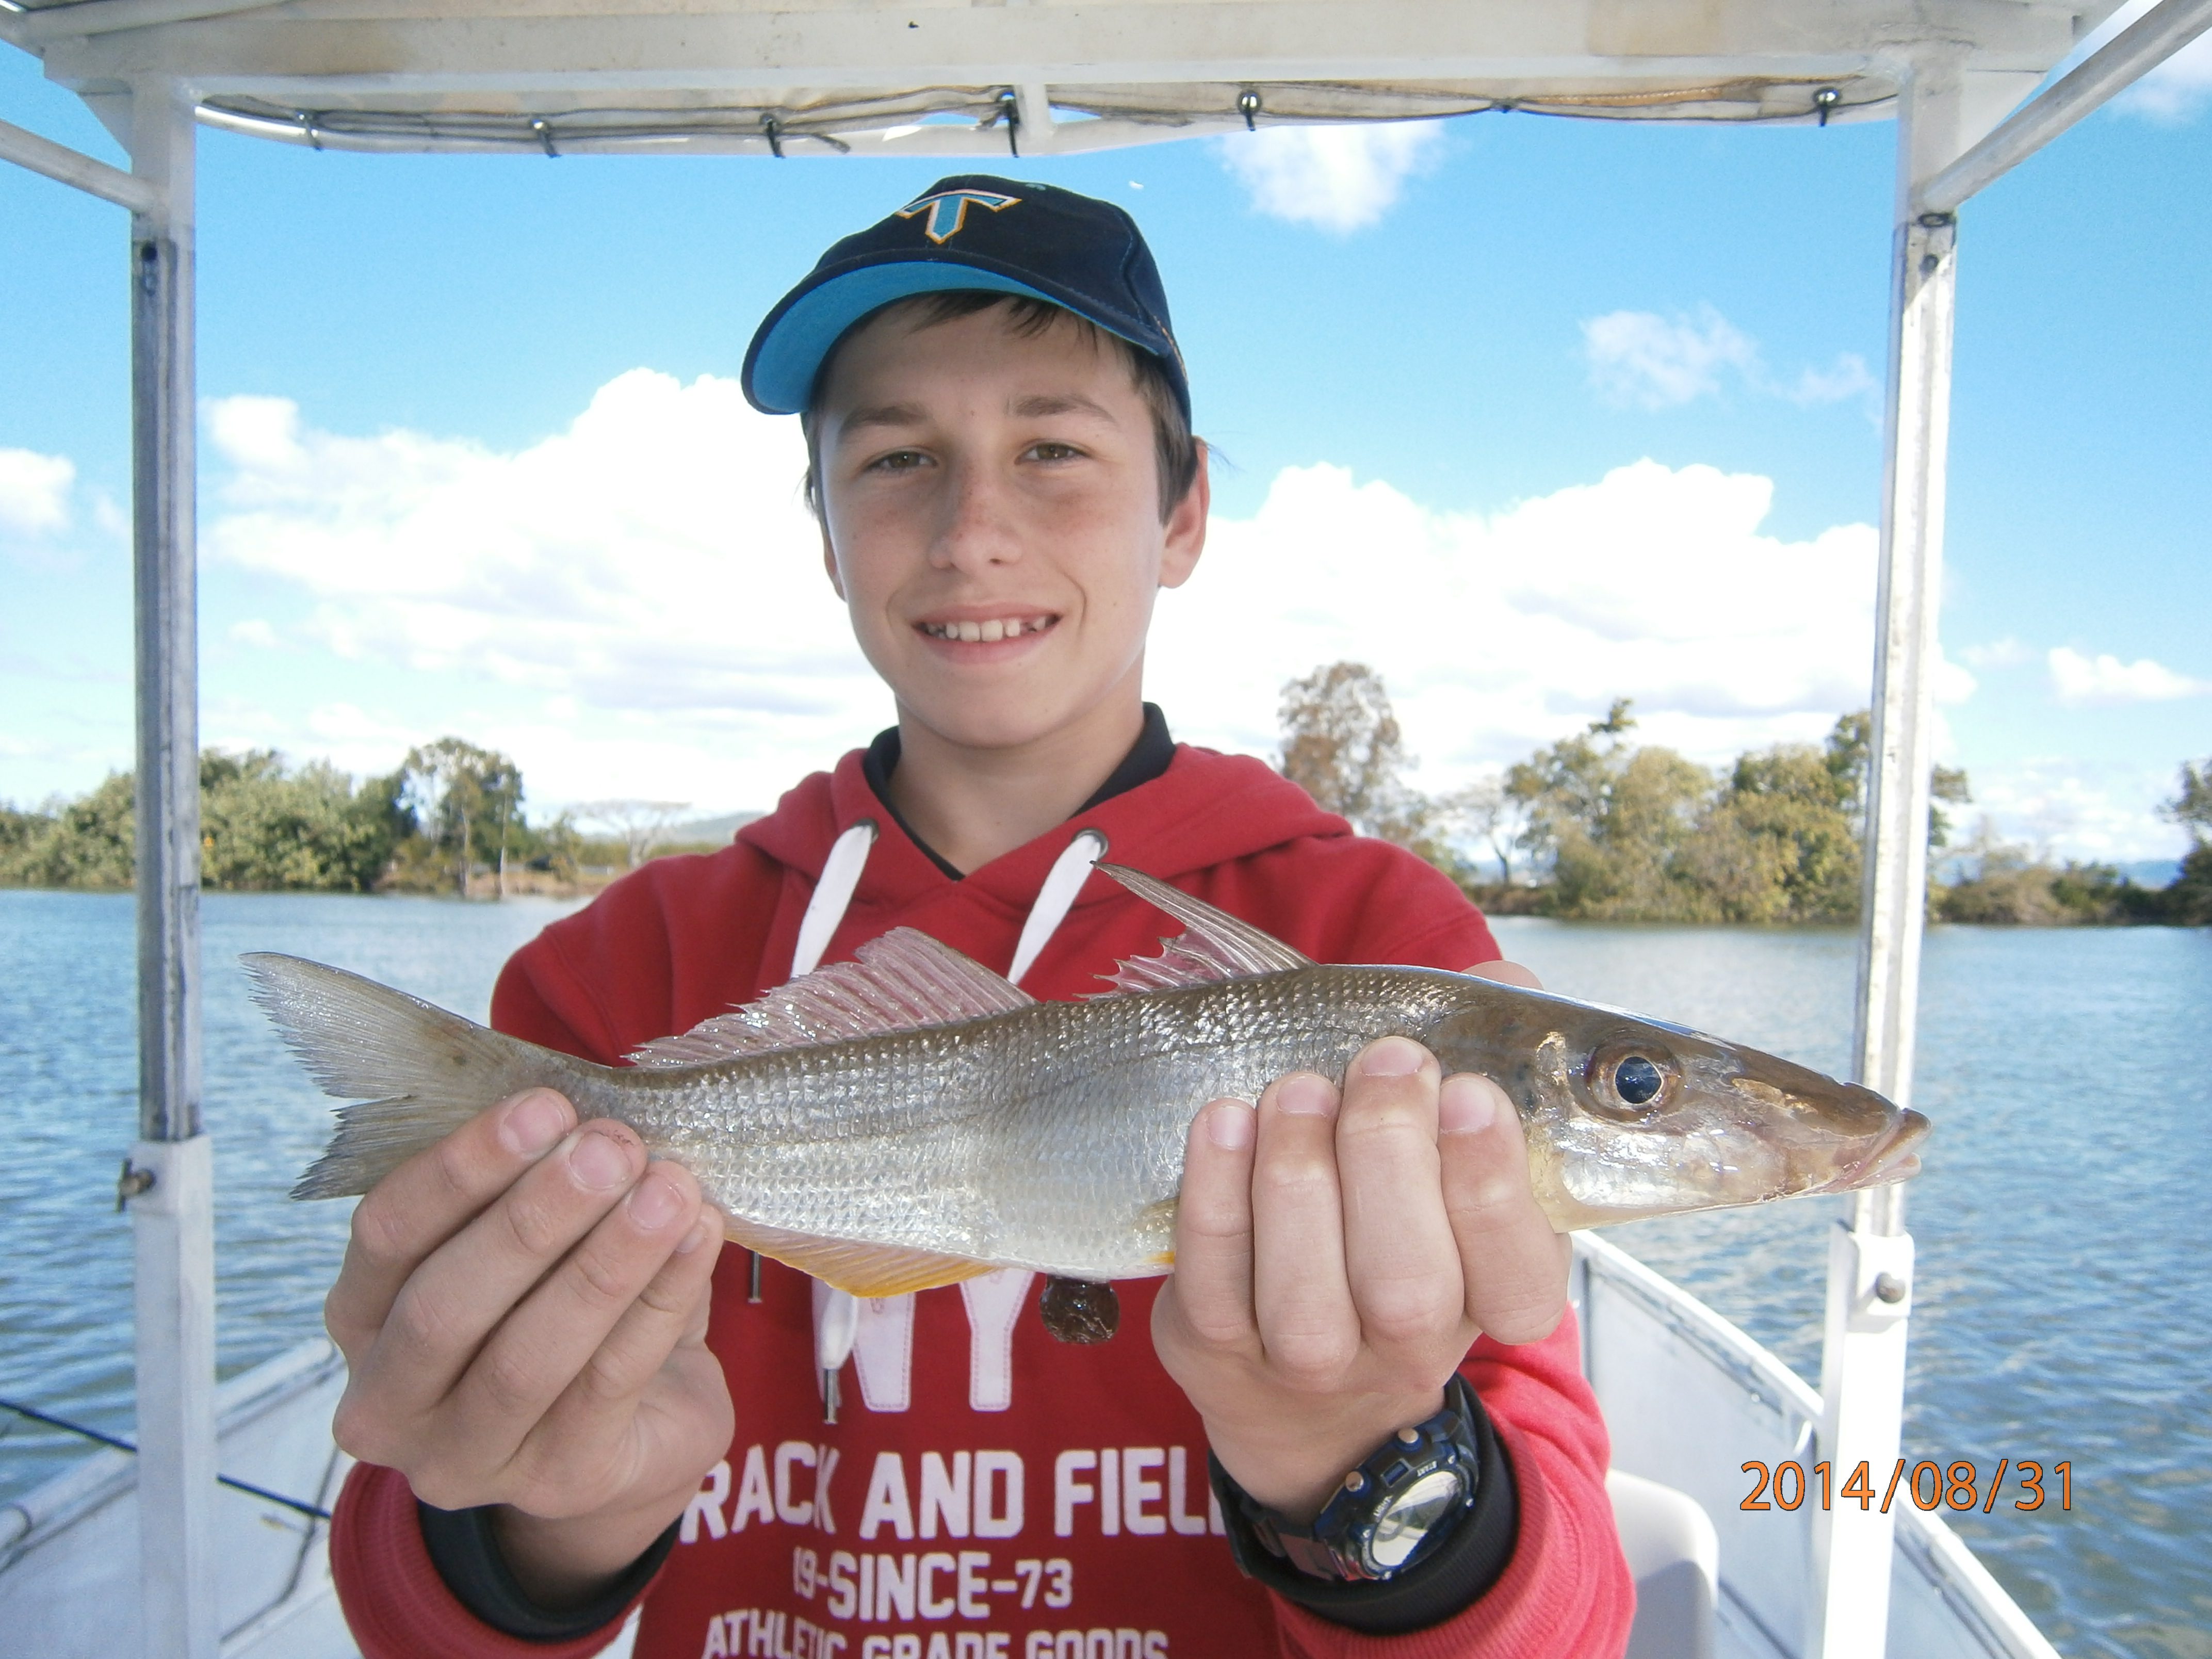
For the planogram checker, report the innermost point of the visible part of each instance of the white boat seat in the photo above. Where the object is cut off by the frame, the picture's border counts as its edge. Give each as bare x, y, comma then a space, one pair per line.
1673, 1555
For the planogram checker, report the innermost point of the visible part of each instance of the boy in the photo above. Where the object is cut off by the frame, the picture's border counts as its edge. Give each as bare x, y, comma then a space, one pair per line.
566, 1396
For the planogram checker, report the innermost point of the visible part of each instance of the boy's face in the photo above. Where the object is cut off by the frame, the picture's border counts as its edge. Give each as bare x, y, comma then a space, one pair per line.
991, 516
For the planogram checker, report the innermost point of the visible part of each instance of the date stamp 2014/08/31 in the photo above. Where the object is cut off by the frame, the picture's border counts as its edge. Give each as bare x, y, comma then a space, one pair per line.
1929, 1484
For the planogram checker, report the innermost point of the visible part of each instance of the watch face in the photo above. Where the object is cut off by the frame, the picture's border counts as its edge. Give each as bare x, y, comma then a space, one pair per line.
1406, 1523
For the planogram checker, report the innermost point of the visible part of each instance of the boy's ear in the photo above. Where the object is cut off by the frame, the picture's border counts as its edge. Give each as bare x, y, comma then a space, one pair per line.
1186, 527
830, 558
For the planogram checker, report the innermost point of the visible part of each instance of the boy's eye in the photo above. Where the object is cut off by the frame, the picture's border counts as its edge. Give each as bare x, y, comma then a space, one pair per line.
1053, 452
899, 460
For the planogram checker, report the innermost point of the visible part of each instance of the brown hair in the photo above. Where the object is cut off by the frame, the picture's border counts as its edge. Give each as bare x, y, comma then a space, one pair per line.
1174, 448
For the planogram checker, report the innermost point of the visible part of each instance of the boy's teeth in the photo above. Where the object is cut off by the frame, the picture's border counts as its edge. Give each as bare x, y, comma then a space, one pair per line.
985, 633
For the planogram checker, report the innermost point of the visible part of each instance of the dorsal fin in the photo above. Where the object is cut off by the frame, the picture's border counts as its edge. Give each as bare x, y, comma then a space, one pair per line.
1214, 946
902, 980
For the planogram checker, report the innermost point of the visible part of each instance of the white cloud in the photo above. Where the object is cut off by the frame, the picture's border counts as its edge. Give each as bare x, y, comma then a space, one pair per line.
254, 631
1640, 357
34, 491
1340, 178
1953, 683
2006, 653
1499, 632
1642, 360
2074, 808
1848, 377
653, 562
636, 605
2076, 679
2170, 94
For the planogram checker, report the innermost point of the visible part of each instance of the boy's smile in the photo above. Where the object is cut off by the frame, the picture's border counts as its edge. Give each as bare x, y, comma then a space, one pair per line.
957, 626
991, 516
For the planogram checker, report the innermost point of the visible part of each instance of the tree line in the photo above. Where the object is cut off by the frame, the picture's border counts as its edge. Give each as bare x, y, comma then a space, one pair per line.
451, 813
1601, 828
1595, 826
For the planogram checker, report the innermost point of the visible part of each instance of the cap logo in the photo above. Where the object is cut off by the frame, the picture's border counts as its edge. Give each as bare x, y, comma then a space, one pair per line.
948, 210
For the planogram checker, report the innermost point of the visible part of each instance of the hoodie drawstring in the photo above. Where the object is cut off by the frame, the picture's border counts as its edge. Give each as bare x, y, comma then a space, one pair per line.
836, 1313
833, 894
1056, 898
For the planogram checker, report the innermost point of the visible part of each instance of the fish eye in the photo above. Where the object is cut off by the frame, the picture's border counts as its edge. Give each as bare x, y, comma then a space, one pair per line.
1627, 1079
1637, 1080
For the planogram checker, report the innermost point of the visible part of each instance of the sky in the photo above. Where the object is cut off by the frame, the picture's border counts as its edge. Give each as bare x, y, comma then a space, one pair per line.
1529, 414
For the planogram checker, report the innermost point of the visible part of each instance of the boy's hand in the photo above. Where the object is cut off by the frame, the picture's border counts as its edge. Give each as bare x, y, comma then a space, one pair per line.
524, 1308
1336, 1256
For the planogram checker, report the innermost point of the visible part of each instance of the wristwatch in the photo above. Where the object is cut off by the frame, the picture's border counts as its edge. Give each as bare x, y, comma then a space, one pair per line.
1392, 1511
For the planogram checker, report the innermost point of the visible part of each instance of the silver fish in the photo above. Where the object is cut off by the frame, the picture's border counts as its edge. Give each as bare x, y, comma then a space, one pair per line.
912, 1119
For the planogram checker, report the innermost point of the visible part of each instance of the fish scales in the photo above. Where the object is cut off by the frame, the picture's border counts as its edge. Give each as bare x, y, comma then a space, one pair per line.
998, 1138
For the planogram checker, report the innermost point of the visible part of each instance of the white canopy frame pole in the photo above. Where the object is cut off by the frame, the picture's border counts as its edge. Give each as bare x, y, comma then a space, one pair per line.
171, 1171
2114, 67
1869, 1298
79, 171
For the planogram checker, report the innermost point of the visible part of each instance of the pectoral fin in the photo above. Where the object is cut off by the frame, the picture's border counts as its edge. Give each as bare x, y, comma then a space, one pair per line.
858, 1269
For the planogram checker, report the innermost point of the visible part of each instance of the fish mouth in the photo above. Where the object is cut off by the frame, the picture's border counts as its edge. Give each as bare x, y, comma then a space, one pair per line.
1895, 1157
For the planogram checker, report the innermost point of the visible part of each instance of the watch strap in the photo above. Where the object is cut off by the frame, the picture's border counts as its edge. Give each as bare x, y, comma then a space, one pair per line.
1444, 1583
467, 1558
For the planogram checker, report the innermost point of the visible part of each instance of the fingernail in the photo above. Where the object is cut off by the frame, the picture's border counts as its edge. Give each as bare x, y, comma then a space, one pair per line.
533, 1123
1229, 1124
1466, 1107
600, 1162
701, 1230
1305, 1096
654, 1202
1393, 1056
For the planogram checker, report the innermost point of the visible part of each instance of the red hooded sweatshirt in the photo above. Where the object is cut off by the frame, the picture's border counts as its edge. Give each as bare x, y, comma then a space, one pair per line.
988, 1492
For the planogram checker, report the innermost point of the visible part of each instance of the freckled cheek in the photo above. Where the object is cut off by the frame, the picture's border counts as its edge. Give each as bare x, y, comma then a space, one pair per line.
1116, 574
873, 570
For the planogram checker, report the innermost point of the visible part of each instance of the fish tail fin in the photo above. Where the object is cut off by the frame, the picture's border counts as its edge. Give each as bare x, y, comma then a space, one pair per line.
419, 1072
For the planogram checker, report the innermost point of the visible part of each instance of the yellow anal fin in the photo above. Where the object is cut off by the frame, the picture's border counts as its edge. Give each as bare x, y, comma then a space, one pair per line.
1156, 1234
859, 1269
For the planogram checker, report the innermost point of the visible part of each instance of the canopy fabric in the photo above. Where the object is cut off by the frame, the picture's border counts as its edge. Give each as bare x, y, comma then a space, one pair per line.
949, 77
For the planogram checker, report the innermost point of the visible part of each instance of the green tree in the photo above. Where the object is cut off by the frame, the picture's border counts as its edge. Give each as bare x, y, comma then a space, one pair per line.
2010, 886
1615, 823
1849, 746
1482, 816
2187, 901
465, 801
1948, 785
1629, 863
2191, 806
86, 843
1564, 790
23, 837
263, 826
1342, 746
1781, 843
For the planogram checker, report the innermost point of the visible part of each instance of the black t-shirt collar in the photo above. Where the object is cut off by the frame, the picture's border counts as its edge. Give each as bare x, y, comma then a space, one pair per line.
1150, 756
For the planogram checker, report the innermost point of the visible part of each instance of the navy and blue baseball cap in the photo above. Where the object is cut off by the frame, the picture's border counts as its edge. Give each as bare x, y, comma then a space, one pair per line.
971, 231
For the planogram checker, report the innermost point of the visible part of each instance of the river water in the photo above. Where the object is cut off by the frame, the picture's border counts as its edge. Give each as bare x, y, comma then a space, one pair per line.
2060, 1302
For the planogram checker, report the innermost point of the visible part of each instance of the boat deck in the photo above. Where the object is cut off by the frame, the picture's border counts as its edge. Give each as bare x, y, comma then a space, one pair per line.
1689, 1399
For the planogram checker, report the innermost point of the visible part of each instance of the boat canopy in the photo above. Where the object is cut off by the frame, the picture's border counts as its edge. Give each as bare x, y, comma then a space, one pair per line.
990, 77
